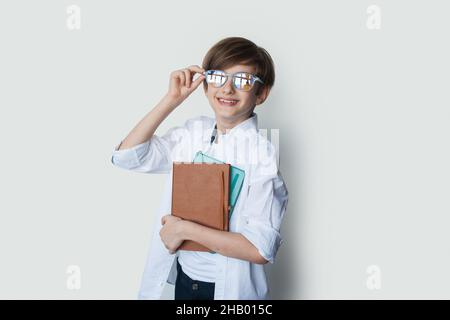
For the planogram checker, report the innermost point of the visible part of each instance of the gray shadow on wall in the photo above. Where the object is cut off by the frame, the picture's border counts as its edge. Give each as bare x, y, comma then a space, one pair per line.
284, 275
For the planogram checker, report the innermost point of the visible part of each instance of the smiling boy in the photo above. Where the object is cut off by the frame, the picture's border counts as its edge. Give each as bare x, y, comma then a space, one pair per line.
237, 76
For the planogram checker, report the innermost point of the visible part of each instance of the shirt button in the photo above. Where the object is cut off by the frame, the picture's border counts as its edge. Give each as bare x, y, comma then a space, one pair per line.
161, 284
195, 286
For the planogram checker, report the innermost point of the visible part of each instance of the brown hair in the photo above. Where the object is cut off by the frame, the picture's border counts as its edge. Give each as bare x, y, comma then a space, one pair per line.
236, 50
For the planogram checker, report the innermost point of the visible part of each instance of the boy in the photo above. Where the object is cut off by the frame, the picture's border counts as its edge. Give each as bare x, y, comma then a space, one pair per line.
237, 76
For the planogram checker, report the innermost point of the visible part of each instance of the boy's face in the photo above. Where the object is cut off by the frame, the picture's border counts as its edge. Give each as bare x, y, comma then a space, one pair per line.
245, 100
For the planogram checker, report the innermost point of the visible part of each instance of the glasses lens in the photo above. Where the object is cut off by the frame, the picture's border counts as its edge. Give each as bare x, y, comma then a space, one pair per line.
216, 78
243, 81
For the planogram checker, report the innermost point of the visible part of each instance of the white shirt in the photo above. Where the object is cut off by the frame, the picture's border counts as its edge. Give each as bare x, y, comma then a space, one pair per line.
257, 215
198, 265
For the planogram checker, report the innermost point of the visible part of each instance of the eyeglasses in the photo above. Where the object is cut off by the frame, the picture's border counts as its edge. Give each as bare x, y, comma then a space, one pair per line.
243, 81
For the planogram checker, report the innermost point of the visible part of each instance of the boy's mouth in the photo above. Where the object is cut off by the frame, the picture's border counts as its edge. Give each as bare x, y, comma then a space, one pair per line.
227, 102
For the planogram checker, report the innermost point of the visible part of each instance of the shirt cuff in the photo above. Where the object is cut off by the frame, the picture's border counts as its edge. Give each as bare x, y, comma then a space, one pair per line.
265, 238
129, 158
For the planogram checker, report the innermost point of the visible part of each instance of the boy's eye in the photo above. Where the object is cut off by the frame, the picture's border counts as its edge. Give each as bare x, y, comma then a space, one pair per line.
243, 81
216, 77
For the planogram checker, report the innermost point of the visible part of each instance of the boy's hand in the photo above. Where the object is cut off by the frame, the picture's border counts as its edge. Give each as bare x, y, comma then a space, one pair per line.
182, 83
171, 232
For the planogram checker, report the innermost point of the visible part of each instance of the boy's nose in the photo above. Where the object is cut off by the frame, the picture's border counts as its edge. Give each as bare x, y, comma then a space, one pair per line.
228, 87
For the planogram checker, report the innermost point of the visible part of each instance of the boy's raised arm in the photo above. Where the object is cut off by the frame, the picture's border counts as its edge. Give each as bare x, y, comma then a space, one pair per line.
181, 85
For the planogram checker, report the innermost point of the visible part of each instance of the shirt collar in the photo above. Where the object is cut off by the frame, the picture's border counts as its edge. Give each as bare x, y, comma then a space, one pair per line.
250, 123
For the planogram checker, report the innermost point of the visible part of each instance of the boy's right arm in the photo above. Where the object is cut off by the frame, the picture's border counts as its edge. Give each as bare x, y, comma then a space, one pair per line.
181, 85
143, 151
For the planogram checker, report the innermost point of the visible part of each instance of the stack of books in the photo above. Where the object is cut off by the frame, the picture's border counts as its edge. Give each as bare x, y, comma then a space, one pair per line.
205, 191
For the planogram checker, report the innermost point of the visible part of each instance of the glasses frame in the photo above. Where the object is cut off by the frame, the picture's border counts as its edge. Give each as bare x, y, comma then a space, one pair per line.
253, 78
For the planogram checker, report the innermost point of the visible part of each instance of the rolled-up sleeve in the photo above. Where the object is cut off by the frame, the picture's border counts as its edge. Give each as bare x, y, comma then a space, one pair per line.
266, 204
151, 156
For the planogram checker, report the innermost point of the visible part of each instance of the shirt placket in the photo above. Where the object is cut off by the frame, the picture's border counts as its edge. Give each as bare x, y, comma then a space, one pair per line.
221, 270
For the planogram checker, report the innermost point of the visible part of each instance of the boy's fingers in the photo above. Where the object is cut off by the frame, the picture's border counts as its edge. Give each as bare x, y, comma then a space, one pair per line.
187, 73
182, 78
196, 68
174, 80
164, 219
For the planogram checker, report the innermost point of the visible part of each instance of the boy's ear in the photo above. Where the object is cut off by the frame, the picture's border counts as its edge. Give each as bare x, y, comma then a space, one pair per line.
262, 95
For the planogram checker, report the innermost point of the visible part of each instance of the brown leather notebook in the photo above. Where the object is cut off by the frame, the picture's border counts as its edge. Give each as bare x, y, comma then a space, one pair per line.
200, 194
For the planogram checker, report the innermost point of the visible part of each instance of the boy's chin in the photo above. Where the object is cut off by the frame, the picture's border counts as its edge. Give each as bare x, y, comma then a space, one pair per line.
228, 109
225, 113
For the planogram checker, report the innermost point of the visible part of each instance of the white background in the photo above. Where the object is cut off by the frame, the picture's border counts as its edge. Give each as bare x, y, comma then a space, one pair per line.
363, 117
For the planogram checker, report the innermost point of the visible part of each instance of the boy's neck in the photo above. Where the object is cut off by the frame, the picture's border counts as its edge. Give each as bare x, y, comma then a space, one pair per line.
223, 125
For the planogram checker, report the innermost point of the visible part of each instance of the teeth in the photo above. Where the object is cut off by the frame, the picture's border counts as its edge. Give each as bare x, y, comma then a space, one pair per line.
228, 101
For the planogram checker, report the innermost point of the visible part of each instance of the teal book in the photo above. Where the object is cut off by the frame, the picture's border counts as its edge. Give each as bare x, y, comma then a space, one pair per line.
236, 177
